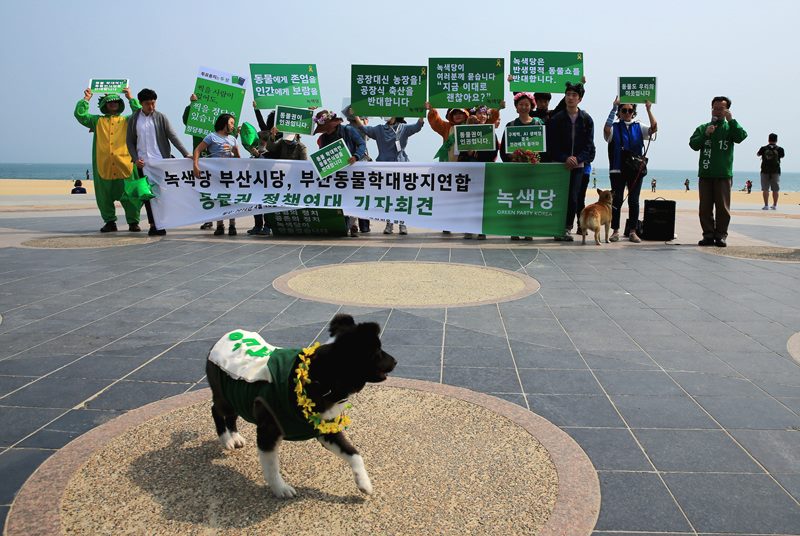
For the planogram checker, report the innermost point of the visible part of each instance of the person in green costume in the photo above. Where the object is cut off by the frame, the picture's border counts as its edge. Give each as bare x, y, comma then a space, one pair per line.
111, 161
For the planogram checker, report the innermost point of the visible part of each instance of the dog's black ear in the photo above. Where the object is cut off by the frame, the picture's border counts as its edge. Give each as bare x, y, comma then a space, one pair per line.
340, 322
599, 191
369, 328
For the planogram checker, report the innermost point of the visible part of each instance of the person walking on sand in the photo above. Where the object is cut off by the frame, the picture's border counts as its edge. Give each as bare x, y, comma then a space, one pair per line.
653, 185
771, 155
715, 141
686, 183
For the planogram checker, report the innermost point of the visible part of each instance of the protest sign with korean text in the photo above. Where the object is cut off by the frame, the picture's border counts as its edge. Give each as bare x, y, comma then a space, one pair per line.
636, 89
465, 82
474, 138
545, 71
526, 138
218, 92
388, 90
307, 221
288, 84
294, 120
471, 197
108, 85
331, 158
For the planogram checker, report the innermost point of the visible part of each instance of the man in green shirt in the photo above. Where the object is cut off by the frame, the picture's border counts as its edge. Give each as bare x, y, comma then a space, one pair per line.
715, 142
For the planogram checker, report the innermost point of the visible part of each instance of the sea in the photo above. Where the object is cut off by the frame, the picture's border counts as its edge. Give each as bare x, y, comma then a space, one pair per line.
666, 179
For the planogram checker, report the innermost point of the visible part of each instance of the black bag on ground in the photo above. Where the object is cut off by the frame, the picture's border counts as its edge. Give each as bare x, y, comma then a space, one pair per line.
659, 220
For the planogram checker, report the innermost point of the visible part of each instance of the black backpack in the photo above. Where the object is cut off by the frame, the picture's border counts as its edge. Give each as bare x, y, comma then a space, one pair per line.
770, 159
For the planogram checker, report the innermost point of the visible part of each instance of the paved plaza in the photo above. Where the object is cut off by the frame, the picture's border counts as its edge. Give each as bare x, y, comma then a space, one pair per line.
668, 364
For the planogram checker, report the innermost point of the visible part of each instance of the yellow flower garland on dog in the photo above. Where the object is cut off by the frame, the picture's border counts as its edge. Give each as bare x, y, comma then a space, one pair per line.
325, 426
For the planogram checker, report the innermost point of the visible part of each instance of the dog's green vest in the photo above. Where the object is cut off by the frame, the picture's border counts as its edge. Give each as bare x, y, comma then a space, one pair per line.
278, 394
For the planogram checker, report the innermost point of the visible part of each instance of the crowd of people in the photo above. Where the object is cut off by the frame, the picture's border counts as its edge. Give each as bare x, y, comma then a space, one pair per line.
123, 144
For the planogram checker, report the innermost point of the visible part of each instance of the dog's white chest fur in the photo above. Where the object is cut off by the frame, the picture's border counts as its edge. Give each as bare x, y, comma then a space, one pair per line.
243, 355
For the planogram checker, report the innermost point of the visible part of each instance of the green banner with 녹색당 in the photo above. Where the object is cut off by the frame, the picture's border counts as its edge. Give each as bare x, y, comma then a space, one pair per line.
545, 71
465, 82
637, 89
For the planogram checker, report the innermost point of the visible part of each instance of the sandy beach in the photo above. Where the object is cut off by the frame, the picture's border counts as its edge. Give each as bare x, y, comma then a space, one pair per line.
29, 187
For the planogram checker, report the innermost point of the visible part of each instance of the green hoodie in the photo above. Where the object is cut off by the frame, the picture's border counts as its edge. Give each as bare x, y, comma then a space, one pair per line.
716, 151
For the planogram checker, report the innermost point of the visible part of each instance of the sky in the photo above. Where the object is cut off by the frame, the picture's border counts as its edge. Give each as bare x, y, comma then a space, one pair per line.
696, 49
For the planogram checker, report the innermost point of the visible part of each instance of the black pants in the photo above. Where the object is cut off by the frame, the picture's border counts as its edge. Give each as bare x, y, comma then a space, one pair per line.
582, 196
147, 207
619, 181
575, 182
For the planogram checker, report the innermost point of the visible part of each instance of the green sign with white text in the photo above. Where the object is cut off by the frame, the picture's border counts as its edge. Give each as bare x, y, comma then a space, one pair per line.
285, 83
294, 120
307, 221
388, 90
637, 89
545, 71
465, 82
474, 138
526, 137
331, 158
525, 199
217, 93
108, 85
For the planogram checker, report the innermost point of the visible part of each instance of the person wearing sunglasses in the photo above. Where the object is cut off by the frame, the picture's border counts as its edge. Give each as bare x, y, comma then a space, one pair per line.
625, 139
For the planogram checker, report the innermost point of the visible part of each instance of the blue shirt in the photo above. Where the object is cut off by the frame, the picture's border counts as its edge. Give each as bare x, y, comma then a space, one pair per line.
220, 146
387, 139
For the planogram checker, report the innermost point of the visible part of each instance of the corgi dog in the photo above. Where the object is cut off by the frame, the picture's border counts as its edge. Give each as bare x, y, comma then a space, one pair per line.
597, 215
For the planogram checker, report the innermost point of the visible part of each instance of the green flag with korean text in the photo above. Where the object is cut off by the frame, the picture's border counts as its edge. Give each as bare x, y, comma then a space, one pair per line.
388, 90
545, 71
465, 82
218, 92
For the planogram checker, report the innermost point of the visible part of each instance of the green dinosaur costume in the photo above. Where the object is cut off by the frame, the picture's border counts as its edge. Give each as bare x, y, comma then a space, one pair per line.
111, 161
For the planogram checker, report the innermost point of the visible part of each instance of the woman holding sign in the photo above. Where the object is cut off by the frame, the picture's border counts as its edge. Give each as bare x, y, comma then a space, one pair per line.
625, 139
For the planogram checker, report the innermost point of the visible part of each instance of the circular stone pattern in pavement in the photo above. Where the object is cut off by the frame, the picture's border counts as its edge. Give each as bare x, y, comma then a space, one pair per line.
406, 284
759, 253
86, 241
793, 346
443, 460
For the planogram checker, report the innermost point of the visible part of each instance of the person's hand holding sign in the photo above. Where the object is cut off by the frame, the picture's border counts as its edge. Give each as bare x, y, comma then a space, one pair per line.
87, 94
352, 160
127, 92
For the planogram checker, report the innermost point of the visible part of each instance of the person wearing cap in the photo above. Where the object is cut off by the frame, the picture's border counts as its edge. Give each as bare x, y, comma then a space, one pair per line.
111, 161
149, 138
570, 140
392, 139
444, 127
330, 126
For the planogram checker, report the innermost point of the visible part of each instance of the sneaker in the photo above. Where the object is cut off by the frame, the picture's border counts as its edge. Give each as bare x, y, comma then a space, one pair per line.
219, 231
232, 230
152, 231
161, 232
264, 231
568, 237
720, 243
403, 230
772, 207
354, 231
255, 230
706, 242
765, 207
614, 237
134, 228
529, 238
467, 236
633, 237
514, 238
109, 227
207, 225
389, 229
481, 237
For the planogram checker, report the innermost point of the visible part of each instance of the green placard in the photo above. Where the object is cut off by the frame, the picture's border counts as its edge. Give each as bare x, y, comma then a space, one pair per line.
307, 221
289, 84
474, 138
463, 82
388, 90
331, 158
525, 199
294, 120
526, 137
545, 71
637, 89
108, 85
217, 93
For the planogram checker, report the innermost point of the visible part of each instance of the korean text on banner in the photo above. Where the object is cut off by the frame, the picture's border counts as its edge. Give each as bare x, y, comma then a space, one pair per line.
526, 138
331, 158
217, 92
108, 85
475, 138
465, 82
545, 71
288, 84
294, 120
388, 90
636, 89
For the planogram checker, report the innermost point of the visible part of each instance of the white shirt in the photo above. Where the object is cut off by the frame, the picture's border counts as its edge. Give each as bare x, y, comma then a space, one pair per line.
146, 144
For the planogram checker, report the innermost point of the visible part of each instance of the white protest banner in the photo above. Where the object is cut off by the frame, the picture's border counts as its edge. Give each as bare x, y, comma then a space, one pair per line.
510, 199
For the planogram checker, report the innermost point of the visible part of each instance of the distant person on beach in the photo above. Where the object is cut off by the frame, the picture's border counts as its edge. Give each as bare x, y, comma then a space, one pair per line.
748, 185
111, 161
79, 189
715, 141
771, 155
653, 185
149, 136
87, 175
626, 137
686, 183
